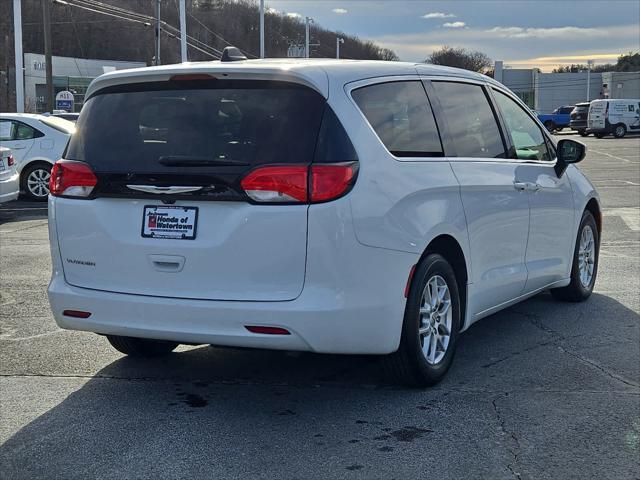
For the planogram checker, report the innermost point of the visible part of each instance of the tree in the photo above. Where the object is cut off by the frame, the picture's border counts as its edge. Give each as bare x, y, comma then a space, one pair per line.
460, 58
628, 63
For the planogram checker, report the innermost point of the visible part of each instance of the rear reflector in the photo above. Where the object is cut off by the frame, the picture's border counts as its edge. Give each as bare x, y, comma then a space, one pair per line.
267, 330
187, 77
76, 314
10, 160
290, 183
71, 179
407, 287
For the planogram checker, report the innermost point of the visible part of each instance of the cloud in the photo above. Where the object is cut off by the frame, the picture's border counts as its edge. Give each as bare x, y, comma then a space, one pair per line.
438, 15
293, 15
340, 11
554, 32
454, 25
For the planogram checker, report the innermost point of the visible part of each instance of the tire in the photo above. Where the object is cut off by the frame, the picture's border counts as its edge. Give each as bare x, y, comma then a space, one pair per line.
599, 135
141, 347
410, 364
550, 125
583, 133
34, 181
580, 289
559, 129
620, 130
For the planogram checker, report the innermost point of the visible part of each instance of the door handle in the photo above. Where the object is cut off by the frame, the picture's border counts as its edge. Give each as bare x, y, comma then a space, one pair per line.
526, 186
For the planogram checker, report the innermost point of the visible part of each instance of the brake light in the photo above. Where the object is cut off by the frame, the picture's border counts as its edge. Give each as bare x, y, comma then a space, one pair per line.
291, 183
10, 161
76, 313
71, 179
330, 181
277, 184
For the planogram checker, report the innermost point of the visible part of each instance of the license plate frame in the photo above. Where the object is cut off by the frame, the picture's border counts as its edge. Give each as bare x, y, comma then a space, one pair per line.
150, 228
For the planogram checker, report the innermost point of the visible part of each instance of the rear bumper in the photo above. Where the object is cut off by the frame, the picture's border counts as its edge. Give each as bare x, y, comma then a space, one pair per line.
599, 130
321, 323
578, 125
9, 188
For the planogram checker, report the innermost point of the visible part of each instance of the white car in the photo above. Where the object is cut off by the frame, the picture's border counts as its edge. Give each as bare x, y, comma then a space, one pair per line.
348, 207
36, 142
9, 179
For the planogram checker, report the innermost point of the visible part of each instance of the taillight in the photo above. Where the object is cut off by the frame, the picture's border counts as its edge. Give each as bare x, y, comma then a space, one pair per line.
291, 184
10, 160
71, 179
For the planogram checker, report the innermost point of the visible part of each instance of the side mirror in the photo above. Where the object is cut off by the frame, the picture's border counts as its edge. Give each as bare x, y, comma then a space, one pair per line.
569, 151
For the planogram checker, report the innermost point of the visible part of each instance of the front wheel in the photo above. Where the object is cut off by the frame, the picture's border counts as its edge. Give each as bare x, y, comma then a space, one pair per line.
141, 347
585, 263
550, 125
620, 131
430, 327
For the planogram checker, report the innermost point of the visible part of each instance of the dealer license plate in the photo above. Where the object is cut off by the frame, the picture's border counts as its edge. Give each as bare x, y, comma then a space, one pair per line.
178, 223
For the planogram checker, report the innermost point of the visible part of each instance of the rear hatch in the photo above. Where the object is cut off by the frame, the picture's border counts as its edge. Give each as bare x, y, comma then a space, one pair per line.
598, 114
169, 215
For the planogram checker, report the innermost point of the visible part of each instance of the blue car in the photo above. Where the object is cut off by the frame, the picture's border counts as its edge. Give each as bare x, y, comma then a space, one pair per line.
557, 120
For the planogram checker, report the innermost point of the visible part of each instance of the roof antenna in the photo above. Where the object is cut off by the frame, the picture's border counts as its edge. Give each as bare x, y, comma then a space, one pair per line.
232, 54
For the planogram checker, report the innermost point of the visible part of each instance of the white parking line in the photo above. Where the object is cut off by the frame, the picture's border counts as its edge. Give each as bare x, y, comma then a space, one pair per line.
609, 155
630, 216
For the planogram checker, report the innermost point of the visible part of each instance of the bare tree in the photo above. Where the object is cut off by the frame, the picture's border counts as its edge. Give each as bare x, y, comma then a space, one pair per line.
460, 58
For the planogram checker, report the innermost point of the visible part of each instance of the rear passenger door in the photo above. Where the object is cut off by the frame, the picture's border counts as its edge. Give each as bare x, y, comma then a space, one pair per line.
551, 228
495, 205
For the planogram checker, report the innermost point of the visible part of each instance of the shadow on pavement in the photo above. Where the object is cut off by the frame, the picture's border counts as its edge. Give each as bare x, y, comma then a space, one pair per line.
217, 413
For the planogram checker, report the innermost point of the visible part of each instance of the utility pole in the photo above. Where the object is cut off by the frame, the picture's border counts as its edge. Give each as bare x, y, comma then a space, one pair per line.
307, 21
589, 65
46, 18
17, 43
338, 42
261, 28
183, 31
158, 32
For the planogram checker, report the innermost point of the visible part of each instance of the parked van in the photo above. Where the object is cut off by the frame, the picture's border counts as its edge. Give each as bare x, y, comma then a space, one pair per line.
331, 206
615, 116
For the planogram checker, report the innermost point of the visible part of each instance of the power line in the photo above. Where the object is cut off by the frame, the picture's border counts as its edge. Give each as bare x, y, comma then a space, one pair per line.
220, 37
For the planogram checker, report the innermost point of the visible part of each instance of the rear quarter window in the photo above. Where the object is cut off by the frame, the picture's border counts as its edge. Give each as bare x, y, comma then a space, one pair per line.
401, 115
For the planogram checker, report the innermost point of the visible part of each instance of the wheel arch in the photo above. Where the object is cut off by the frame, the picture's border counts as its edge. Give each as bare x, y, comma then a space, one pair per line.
594, 207
447, 246
32, 162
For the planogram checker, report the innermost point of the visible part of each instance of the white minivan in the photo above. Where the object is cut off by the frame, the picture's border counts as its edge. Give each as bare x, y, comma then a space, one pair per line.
345, 207
614, 116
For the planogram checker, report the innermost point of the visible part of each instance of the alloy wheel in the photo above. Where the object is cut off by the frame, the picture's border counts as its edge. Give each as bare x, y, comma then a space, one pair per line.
586, 256
38, 182
435, 319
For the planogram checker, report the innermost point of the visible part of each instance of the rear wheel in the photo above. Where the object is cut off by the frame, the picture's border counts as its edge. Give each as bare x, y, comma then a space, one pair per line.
141, 347
583, 133
430, 327
550, 125
620, 131
34, 181
585, 263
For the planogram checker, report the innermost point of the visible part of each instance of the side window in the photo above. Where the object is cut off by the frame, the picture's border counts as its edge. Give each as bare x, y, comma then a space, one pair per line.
632, 108
7, 130
401, 115
526, 135
472, 124
25, 132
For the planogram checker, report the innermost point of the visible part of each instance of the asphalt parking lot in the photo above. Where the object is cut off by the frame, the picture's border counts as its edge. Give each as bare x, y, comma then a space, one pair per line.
541, 390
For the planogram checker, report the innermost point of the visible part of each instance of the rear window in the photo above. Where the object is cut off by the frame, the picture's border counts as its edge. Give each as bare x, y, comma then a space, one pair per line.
205, 125
401, 115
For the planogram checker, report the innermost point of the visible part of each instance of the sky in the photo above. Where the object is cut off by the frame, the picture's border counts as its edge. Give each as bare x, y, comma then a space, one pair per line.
522, 33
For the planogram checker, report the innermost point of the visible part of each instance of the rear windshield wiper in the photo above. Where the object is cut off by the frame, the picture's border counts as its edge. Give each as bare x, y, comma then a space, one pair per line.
190, 161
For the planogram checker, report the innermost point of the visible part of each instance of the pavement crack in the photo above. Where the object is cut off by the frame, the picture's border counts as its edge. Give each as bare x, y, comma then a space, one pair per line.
560, 341
514, 450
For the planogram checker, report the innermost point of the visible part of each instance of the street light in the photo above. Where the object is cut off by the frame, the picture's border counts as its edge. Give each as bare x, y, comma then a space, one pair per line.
338, 42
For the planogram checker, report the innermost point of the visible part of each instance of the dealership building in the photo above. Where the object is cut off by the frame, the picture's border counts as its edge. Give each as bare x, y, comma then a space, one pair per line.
544, 92
69, 74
